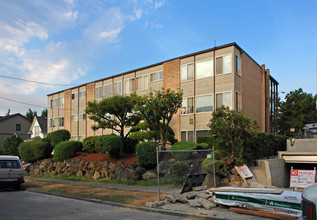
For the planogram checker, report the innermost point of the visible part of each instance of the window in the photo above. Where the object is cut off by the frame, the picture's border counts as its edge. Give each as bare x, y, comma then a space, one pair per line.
223, 99
75, 96
55, 122
55, 103
118, 88
49, 123
187, 72
98, 93
82, 117
50, 103
188, 106
204, 69
142, 83
61, 101
237, 67
201, 133
61, 121
204, 103
107, 90
18, 127
129, 86
238, 101
10, 164
187, 136
156, 76
223, 64
82, 94
74, 117
36, 131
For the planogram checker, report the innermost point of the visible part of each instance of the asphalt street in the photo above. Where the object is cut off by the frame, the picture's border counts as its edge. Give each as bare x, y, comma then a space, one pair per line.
20, 205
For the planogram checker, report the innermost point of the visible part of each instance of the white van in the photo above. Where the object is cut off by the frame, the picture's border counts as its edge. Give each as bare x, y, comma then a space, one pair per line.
11, 172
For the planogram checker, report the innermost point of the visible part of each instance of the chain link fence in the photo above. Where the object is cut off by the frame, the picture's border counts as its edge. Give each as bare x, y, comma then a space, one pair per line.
183, 168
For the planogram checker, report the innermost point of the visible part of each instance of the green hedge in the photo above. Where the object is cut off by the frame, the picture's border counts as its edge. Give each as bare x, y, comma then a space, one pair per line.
34, 150
186, 145
129, 145
110, 144
11, 144
258, 145
146, 153
89, 144
66, 150
58, 136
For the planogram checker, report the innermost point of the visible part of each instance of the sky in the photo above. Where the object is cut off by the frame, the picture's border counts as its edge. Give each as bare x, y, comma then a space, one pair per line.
64, 43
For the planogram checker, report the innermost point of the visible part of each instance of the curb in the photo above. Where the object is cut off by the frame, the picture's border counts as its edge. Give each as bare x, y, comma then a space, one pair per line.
161, 211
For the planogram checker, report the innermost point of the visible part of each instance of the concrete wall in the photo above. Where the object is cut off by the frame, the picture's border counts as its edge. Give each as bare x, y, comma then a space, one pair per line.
302, 145
271, 172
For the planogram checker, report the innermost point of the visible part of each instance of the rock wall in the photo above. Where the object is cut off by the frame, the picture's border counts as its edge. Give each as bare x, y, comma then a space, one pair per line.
90, 169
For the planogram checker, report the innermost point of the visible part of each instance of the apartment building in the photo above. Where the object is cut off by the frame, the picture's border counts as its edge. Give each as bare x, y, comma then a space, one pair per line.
223, 75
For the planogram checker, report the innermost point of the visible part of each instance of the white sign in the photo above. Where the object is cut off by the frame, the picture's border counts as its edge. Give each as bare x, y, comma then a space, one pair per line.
245, 172
302, 178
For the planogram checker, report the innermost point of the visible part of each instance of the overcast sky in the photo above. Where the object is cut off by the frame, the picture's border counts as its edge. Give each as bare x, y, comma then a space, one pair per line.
71, 42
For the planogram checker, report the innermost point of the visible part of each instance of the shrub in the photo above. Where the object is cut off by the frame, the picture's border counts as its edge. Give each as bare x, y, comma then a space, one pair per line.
110, 144
146, 153
11, 144
58, 136
179, 171
66, 150
34, 150
221, 168
89, 144
129, 145
184, 145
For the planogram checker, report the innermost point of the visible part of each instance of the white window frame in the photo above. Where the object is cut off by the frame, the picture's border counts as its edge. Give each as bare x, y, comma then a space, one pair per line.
99, 92
82, 94
156, 76
107, 92
55, 123
61, 101
61, 121
74, 96
223, 72
186, 131
212, 103
238, 99
230, 107
115, 88
145, 85
184, 109
127, 84
237, 65
201, 61
55, 102
186, 65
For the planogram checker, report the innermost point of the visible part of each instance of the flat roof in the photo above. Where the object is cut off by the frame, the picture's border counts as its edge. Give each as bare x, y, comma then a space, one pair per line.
160, 63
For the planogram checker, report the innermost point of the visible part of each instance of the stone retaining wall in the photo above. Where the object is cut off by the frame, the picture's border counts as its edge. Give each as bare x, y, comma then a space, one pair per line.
90, 169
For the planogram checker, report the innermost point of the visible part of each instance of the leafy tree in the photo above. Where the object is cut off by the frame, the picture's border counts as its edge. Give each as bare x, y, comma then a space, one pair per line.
11, 144
141, 132
298, 109
158, 108
230, 130
44, 113
30, 114
116, 112
8, 112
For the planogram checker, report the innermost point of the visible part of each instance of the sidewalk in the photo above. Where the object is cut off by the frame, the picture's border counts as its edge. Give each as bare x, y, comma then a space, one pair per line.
177, 209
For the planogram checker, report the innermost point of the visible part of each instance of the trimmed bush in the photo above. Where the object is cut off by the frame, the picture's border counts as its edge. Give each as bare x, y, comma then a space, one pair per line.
186, 145
58, 136
146, 153
129, 145
11, 144
110, 144
34, 150
89, 144
66, 150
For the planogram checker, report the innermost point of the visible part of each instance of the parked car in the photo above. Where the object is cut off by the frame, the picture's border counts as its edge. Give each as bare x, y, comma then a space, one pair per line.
309, 202
11, 172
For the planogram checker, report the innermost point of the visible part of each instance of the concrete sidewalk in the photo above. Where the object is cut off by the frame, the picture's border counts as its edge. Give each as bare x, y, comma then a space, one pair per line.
176, 209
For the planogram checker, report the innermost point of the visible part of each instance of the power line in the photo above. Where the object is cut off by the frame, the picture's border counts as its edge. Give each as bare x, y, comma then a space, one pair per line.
43, 83
24, 103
